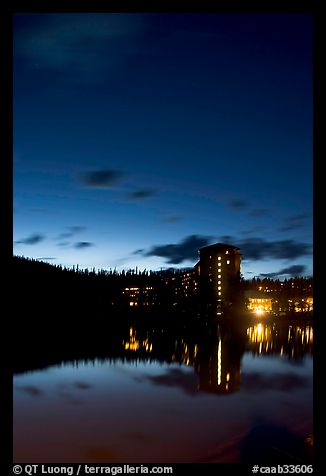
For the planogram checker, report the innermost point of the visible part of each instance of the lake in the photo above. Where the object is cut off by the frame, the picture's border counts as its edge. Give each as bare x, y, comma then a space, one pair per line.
221, 394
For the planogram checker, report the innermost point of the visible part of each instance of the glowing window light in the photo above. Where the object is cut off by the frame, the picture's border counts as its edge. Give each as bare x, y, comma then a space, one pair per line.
219, 293
219, 288
219, 258
219, 282
219, 276
228, 261
219, 363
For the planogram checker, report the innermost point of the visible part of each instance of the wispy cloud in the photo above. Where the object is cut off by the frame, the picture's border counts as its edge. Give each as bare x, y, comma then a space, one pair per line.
83, 244
260, 249
104, 178
238, 204
83, 46
33, 239
176, 378
46, 258
259, 212
255, 381
172, 218
294, 222
32, 390
72, 231
143, 193
185, 250
295, 270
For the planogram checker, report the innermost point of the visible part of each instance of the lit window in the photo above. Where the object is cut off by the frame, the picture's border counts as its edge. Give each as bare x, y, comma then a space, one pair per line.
219, 282
219, 288
226, 252
228, 261
219, 258
219, 276
218, 264
219, 293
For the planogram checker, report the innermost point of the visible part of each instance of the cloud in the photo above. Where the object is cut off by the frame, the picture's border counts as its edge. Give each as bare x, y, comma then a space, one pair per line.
72, 230
294, 222
186, 250
177, 378
254, 229
172, 218
84, 47
32, 390
82, 385
32, 239
237, 203
295, 270
259, 212
140, 251
139, 194
256, 382
83, 244
260, 249
46, 258
105, 178
64, 243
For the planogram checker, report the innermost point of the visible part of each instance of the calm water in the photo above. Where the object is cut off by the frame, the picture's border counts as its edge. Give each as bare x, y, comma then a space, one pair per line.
156, 397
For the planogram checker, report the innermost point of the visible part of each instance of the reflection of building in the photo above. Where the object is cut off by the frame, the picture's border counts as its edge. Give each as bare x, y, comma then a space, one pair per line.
219, 370
291, 340
219, 275
134, 344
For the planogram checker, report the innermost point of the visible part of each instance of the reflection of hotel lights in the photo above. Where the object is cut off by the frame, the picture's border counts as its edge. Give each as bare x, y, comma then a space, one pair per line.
264, 336
219, 363
134, 344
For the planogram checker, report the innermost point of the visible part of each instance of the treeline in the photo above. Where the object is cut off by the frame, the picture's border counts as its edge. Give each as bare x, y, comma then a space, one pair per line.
43, 286
289, 288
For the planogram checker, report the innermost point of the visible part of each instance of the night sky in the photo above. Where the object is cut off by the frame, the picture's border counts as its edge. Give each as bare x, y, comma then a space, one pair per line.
139, 138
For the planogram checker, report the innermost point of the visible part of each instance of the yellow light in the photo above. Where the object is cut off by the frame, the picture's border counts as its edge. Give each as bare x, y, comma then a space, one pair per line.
228, 377
259, 312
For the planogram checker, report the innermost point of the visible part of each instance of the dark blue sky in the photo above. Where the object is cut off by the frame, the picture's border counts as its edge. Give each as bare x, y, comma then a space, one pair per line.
140, 137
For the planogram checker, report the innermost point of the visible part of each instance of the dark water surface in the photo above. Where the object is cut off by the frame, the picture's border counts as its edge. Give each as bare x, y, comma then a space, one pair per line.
154, 397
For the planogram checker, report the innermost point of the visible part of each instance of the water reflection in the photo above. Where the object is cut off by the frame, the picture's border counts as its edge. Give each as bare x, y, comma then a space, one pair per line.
293, 341
214, 353
191, 396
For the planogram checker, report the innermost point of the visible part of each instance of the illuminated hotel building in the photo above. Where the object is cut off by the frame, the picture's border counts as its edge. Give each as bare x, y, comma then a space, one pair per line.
219, 272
